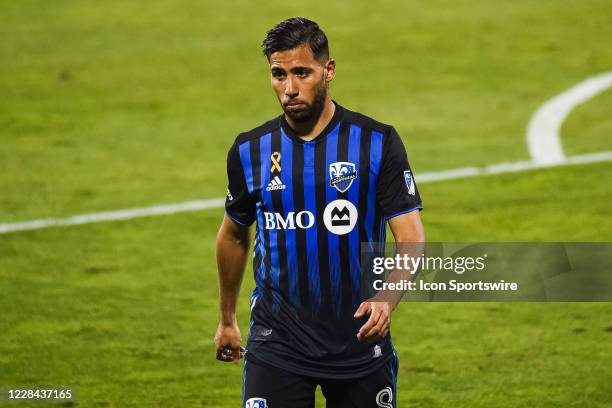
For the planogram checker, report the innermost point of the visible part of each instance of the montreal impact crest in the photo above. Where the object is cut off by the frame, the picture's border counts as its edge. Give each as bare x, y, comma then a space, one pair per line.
341, 175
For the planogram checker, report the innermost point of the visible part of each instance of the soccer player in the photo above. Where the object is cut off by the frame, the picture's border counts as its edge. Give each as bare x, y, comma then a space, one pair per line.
318, 180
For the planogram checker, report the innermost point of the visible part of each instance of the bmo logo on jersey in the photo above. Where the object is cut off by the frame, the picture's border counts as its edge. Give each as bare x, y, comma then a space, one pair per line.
302, 219
340, 217
256, 403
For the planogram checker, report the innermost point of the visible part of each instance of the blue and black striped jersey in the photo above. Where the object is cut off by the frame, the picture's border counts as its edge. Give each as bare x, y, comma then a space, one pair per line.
315, 202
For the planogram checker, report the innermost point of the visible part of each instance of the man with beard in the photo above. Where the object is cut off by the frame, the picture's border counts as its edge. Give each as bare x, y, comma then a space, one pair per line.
319, 180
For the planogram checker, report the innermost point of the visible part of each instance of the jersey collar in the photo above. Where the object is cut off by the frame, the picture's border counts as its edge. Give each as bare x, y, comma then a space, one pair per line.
338, 116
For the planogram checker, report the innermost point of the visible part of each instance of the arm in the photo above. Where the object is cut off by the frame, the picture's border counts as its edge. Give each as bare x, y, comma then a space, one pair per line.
406, 228
398, 197
232, 251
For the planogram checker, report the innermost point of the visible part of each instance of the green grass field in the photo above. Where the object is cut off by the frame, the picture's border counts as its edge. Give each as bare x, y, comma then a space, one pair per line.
110, 105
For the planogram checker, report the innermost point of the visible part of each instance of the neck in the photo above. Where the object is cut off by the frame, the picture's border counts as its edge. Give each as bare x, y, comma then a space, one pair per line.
308, 130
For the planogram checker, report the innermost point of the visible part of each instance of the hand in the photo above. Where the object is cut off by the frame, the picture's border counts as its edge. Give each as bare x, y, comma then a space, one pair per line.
227, 343
377, 326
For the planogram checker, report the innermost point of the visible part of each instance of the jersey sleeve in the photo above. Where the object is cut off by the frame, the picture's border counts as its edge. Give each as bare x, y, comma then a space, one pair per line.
396, 189
239, 204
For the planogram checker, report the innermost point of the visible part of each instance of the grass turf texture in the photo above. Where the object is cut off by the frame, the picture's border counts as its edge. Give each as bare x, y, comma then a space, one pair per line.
118, 104
125, 313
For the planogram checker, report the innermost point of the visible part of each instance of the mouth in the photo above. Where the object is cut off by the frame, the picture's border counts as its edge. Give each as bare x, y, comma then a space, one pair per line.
293, 106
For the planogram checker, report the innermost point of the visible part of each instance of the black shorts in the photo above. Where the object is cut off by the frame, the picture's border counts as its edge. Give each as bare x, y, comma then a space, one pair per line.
271, 387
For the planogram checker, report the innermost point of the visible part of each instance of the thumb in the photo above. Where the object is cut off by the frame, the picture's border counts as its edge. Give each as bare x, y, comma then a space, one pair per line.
364, 308
236, 353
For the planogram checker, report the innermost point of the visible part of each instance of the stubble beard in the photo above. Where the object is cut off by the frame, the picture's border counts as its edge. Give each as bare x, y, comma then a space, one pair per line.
312, 111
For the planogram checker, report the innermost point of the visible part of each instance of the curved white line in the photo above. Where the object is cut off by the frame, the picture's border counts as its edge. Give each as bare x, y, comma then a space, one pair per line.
543, 130
542, 138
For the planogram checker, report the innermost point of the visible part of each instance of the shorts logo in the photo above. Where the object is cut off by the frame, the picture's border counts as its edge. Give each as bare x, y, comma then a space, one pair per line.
409, 182
340, 217
341, 175
256, 403
384, 398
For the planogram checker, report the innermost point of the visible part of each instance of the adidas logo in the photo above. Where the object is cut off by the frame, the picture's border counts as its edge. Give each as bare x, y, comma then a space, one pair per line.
275, 184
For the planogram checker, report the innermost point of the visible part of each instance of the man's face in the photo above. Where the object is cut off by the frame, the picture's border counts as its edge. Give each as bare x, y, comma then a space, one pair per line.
300, 82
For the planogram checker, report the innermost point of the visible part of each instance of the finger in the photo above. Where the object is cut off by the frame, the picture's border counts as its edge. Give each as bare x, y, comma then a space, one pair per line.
227, 353
376, 329
224, 355
364, 308
386, 326
372, 321
374, 316
385, 331
236, 354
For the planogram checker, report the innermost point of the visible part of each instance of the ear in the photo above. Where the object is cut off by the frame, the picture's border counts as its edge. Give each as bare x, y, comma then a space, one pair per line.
330, 67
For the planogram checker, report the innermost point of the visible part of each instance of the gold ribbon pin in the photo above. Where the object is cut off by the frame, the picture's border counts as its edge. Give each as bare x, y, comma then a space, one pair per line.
275, 157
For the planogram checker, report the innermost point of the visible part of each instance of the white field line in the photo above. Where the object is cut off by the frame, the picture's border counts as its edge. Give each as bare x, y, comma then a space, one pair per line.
126, 214
219, 202
543, 131
515, 167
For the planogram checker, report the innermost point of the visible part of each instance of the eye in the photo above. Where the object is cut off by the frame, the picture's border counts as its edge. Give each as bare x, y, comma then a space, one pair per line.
278, 73
301, 73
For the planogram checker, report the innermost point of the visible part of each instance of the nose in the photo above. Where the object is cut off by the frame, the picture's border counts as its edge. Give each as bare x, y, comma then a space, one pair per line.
291, 89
